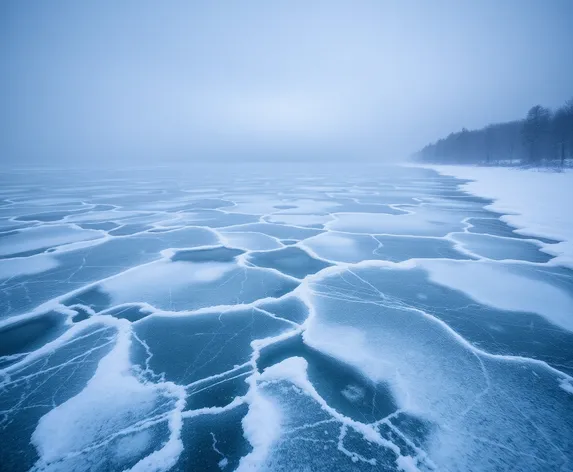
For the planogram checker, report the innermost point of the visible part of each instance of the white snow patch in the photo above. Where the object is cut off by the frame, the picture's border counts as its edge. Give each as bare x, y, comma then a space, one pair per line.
407, 464
250, 241
113, 403
293, 369
262, 428
162, 276
566, 384
421, 222
26, 265
494, 285
36, 238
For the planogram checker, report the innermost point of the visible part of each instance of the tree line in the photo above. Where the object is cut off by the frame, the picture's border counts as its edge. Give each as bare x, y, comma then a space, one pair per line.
542, 137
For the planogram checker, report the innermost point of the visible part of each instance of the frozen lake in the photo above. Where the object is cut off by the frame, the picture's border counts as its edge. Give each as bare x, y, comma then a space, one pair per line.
278, 317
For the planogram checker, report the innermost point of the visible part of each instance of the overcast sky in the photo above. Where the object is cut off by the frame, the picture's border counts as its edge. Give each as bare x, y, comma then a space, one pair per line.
162, 80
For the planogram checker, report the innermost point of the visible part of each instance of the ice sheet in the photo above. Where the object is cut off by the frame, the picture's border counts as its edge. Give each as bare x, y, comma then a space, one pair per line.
300, 318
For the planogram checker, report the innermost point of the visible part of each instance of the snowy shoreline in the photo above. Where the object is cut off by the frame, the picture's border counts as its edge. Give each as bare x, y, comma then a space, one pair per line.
537, 203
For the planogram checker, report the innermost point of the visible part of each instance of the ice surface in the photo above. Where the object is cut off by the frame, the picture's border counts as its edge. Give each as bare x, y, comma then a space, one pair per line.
182, 285
436, 375
213, 442
250, 241
38, 239
112, 418
196, 347
312, 221
35, 384
494, 247
275, 230
291, 261
282, 318
29, 334
423, 222
353, 248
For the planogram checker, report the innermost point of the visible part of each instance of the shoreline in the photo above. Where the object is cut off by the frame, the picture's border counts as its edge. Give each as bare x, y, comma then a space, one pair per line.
536, 203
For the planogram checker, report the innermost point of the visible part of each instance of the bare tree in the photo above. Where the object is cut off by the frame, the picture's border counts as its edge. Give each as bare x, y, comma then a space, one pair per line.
535, 132
541, 135
562, 131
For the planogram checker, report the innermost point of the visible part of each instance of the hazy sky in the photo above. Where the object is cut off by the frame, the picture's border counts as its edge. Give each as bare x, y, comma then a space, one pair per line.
163, 80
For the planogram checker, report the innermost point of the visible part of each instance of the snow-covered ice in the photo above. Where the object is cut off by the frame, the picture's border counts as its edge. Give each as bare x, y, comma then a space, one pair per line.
349, 318
536, 202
